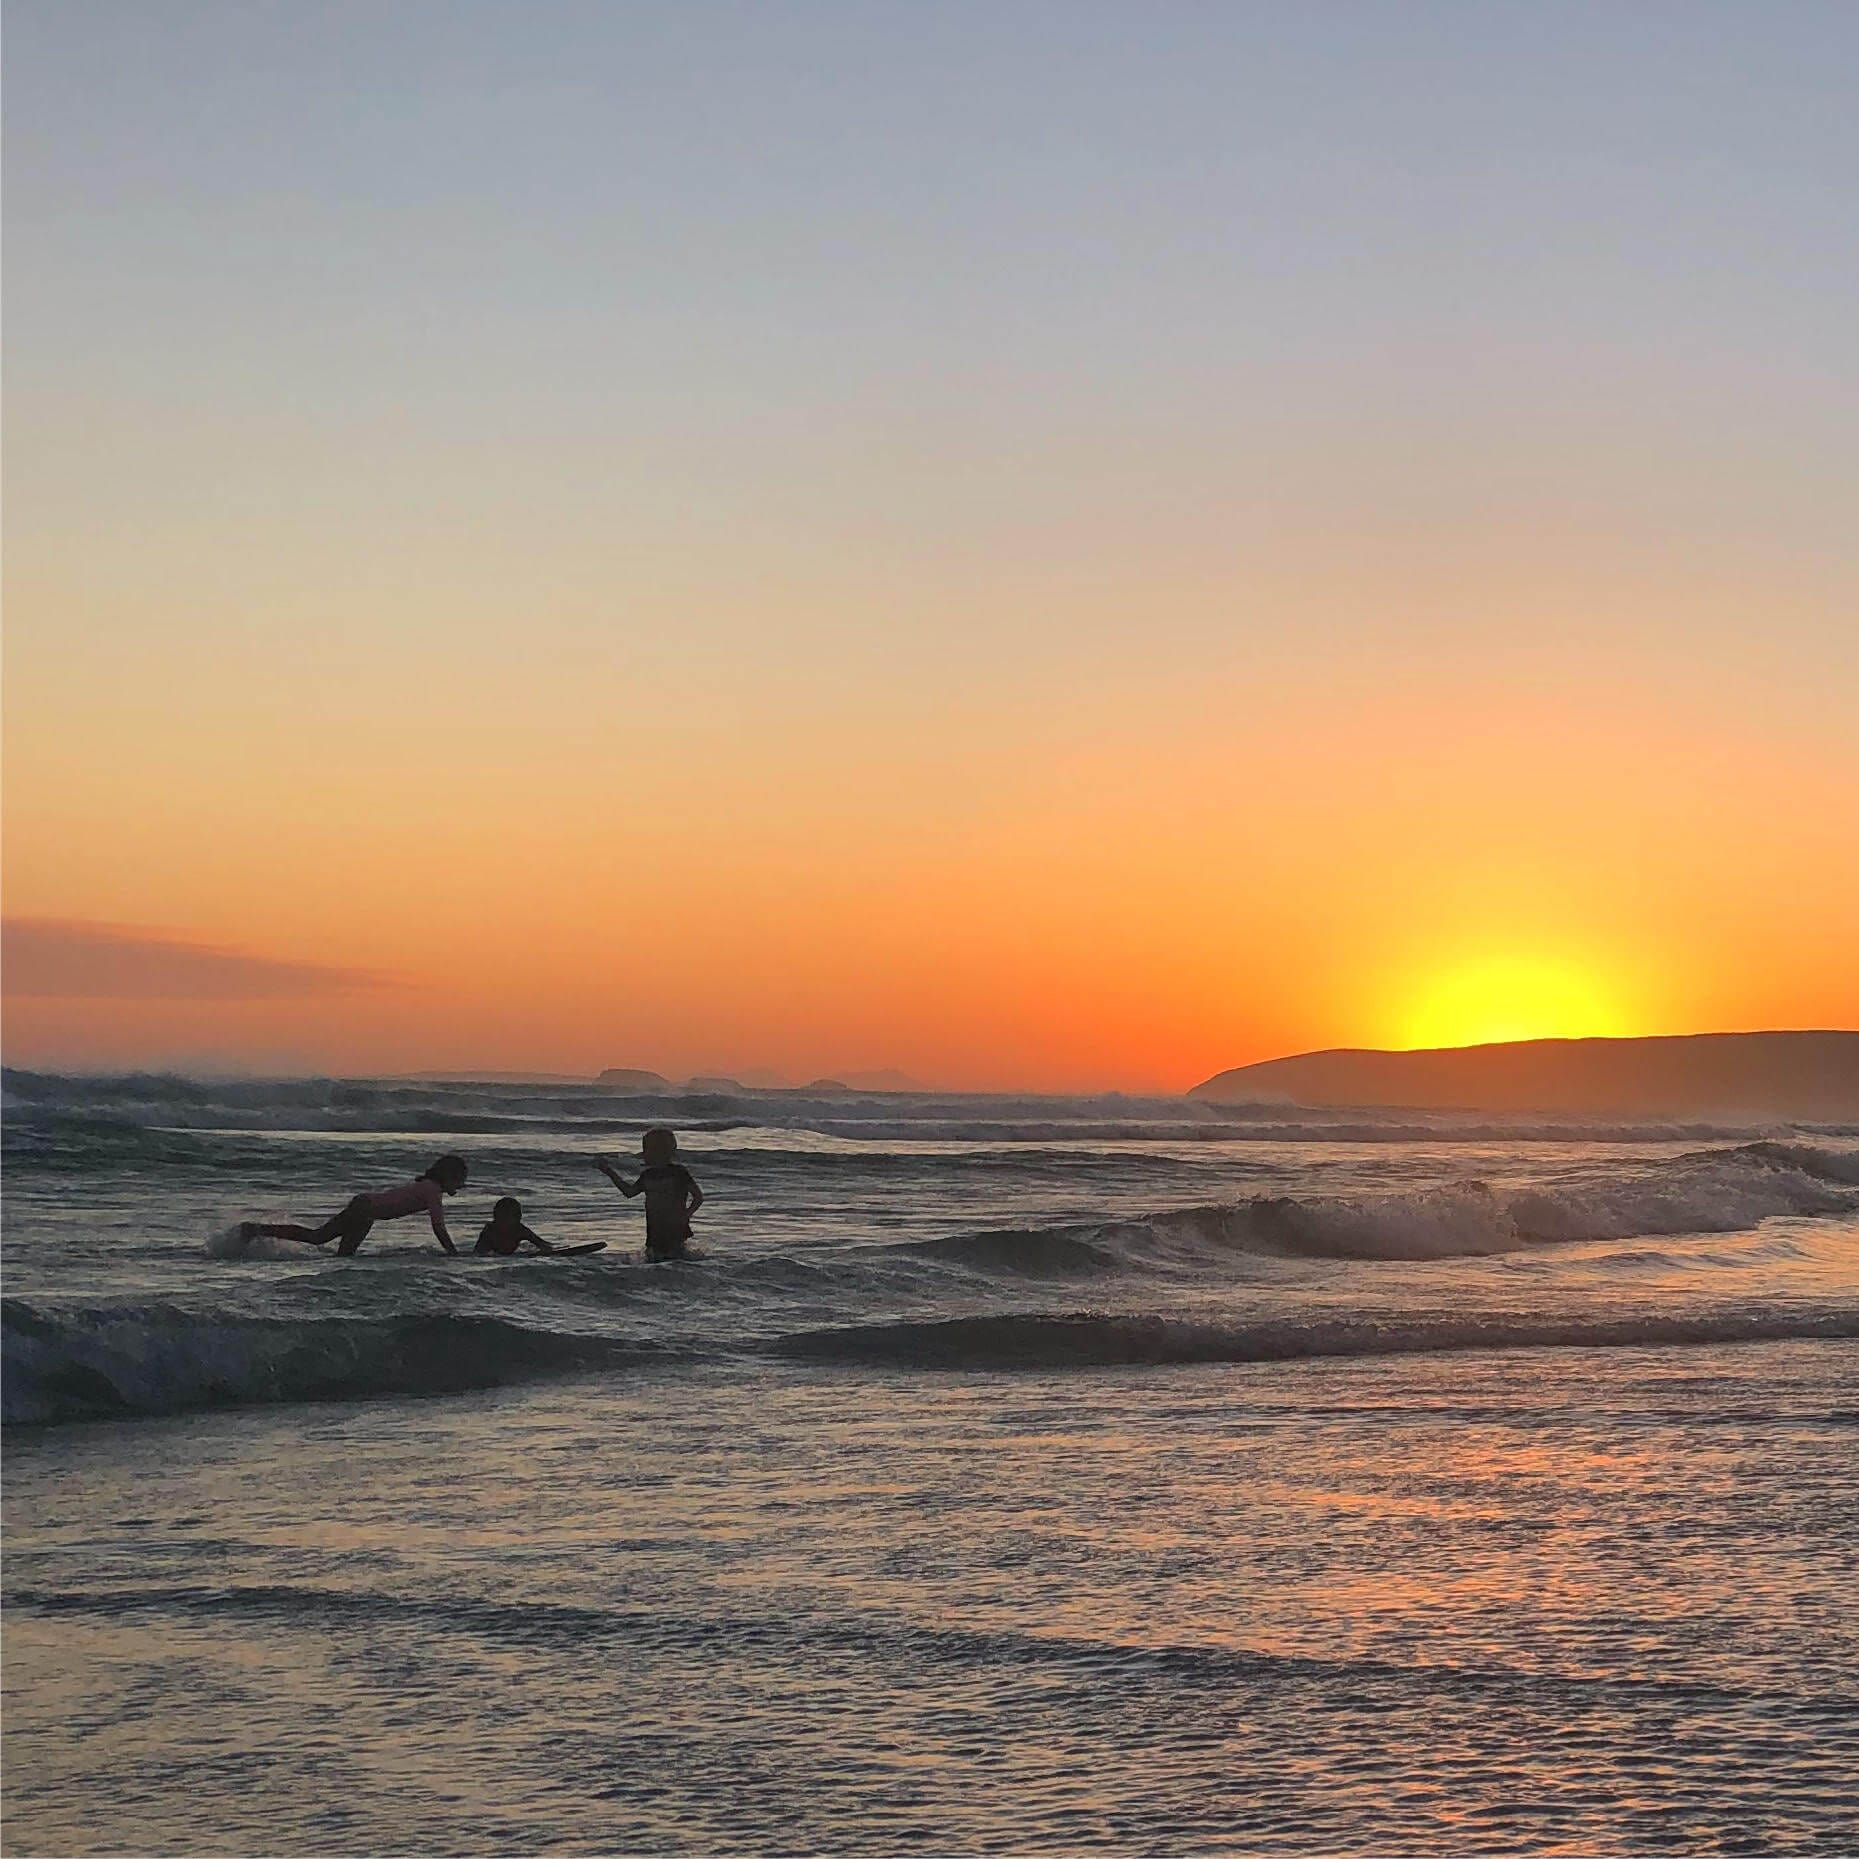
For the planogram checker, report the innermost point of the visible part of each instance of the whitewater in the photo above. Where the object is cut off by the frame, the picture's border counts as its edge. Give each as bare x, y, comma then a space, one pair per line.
1015, 1473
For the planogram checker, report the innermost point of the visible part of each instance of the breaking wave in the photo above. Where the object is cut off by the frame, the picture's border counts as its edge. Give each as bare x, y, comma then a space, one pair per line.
1714, 1191
156, 1359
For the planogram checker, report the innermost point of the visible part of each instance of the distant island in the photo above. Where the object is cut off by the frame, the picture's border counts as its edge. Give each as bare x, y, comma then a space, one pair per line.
626, 1078
1809, 1075
655, 1084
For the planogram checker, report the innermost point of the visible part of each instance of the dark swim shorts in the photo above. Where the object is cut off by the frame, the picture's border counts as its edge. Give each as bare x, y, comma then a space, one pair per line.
351, 1226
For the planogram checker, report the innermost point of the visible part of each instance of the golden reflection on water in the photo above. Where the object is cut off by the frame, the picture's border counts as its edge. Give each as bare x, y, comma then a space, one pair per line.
1563, 1601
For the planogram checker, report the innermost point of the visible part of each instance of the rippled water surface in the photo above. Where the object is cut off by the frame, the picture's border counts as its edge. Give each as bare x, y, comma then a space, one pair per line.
1165, 1489
1552, 1601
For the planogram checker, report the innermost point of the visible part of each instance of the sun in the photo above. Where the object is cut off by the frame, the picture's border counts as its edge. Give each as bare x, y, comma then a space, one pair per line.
1495, 998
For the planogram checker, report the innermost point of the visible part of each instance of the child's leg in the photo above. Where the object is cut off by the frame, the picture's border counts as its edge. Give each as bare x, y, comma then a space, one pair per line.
304, 1235
351, 1225
355, 1219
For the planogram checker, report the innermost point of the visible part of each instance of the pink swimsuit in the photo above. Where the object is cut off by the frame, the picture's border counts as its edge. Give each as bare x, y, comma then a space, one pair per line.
412, 1197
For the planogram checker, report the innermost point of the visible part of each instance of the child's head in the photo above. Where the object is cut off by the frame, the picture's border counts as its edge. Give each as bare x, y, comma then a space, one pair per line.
508, 1211
658, 1147
450, 1172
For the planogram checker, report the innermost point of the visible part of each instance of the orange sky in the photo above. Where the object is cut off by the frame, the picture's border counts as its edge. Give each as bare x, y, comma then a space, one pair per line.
1149, 879
1103, 621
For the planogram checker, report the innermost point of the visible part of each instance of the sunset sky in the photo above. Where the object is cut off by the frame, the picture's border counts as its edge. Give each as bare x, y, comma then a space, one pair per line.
1036, 544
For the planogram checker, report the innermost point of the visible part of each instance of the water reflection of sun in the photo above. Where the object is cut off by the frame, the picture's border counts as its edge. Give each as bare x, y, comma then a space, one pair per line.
1495, 998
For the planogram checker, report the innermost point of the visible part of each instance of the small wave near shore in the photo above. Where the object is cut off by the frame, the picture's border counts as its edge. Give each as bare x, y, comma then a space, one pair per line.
129, 1363
1084, 1339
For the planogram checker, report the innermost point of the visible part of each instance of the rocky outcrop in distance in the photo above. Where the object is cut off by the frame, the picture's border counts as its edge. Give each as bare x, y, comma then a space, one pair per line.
1796, 1076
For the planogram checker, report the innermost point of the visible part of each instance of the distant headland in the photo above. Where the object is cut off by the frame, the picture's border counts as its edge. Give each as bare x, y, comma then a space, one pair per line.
1808, 1075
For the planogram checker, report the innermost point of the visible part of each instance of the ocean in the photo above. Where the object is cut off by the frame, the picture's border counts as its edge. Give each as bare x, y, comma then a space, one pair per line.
1014, 1475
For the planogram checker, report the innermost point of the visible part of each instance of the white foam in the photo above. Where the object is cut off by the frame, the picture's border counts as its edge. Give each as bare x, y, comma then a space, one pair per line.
238, 1241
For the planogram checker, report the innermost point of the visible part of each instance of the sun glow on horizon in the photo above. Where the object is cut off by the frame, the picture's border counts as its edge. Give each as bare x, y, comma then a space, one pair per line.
1493, 999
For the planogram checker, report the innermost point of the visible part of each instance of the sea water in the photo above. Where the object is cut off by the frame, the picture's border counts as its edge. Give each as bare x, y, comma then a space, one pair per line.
1015, 1475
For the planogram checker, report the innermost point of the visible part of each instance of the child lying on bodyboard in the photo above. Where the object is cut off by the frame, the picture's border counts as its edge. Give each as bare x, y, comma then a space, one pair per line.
504, 1232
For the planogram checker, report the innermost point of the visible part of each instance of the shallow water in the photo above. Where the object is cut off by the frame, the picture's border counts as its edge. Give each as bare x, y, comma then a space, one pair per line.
1543, 1601
1063, 1495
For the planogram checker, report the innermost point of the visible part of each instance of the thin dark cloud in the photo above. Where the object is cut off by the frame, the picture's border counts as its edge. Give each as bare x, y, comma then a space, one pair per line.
46, 959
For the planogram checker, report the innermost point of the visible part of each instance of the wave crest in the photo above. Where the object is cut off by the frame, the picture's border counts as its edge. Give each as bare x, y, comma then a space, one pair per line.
156, 1359
1710, 1191
1087, 1340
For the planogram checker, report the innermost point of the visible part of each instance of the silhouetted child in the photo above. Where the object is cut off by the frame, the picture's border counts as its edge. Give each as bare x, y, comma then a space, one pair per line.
505, 1230
671, 1195
425, 1195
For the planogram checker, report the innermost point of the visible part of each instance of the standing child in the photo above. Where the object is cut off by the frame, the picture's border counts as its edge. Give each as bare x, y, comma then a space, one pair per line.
423, 1195
671, 1196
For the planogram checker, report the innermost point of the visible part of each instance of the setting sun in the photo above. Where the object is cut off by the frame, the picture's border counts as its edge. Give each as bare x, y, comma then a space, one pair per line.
1512, 997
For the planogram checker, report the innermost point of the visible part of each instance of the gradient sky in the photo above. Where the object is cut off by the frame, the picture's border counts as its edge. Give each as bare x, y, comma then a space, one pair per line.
1030, 543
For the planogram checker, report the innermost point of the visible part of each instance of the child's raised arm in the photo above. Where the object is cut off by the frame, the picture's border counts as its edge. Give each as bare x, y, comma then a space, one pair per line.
628, 1188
